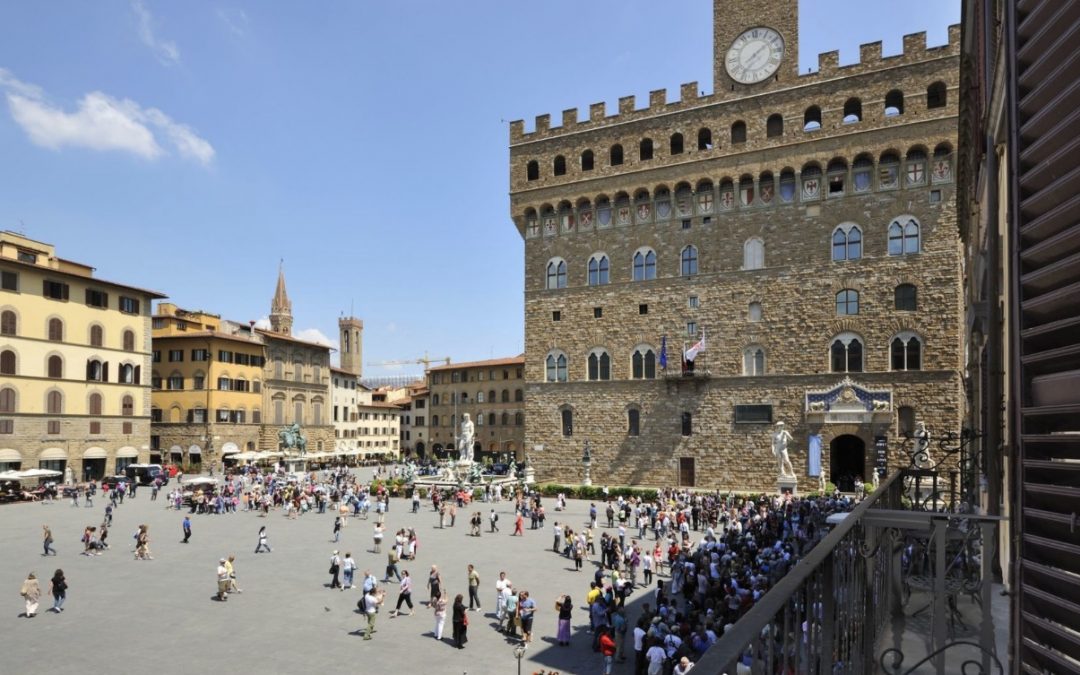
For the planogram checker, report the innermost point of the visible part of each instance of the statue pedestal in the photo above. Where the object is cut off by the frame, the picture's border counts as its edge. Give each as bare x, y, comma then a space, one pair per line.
530, 475
587, 482
787, 485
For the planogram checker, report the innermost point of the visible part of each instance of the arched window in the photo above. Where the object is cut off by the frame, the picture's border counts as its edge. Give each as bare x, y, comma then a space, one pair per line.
738, 132
599, 269
480, 396
56, 330
95, 404
505, 396
435, 420
127, 373
754, 360
480, 419
7, 400
615, 156
645, 149
754, 311
95, 371
54, 403
704, 139
8, 323
555, 367
587, 160
633, 422
774, 126
846, 353
645, 265
812, 118
599, 365
519, 419
894, 103
936, 96
556, 273
753, 254
7, 362
491, 419
687, 424
532, 170
905, 352
676, 144
55, 367
847, 242
567, 416
906, 297
97, 336
127, 406
434, 399
519, 395
852, 111
643, 363
129, 340
689, 261
559, 166
904, 236
491, 396
847, 302
905, 421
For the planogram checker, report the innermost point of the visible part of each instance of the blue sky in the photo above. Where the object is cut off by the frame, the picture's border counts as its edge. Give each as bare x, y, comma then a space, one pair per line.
187, 147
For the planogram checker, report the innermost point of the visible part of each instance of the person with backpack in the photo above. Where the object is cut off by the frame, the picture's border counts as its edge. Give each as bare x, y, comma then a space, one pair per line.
335, 569
494, 520
369, 606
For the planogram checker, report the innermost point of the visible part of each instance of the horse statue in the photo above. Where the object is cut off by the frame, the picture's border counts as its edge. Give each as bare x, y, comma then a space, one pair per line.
291, 437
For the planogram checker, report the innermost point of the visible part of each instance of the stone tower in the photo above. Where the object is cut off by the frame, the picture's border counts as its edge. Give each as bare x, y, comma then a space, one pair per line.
746, 45
351, 343
281, 307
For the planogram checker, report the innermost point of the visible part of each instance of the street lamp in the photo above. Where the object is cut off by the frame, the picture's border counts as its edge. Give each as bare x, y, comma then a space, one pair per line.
586, 461
519, 653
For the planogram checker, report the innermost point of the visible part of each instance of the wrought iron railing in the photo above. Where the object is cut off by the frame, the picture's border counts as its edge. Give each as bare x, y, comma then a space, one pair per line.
888, 584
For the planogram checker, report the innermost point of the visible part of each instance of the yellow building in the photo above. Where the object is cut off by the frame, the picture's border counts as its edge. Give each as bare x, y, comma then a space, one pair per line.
207, 386
74, 359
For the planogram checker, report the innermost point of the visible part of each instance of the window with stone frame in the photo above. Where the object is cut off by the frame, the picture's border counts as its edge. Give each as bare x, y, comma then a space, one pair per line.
644, 265
556, 274
567, 417
906, 298
643, 363
599, 269
555, 367
847, 242
689, 261
633, 422
754, 360
847, 302
904, 236
905, 352
599, 365
846, 353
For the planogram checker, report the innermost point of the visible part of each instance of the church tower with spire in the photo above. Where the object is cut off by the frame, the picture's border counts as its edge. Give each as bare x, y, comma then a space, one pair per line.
280, 307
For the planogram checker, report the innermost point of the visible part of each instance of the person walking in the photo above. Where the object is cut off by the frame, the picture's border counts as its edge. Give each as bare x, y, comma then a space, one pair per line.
31, 594
231, 569
222, 581
335, 569
440, 614
378, 537
404, 594
519, 525
47, 540
58, 588
142, 543
348, 569
565, 607
391, 565
557, 546
461, 623
187, 529
474, 589
263, 541
434, 583
369, 605
337, 529
476, 522
494, 520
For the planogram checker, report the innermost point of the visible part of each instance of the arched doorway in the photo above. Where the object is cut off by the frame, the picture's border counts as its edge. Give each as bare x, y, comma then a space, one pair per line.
420, 449
847, 461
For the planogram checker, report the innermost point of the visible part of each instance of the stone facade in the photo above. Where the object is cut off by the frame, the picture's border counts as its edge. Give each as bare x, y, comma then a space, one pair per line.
758, 179
492, 389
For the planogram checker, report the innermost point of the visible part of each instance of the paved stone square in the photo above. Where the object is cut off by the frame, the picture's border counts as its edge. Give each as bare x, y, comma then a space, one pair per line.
161, 613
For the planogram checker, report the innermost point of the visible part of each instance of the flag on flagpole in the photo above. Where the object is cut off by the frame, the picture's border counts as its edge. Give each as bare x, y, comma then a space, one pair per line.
663, 352
698, 347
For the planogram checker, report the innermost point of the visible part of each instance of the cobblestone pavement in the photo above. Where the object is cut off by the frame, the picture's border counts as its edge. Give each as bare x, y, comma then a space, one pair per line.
161, 613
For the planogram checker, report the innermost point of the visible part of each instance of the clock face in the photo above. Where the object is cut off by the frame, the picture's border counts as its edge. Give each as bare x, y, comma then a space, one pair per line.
755, 55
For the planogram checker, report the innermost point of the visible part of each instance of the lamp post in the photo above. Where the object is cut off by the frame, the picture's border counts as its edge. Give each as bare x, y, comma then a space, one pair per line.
519, 653
586, 461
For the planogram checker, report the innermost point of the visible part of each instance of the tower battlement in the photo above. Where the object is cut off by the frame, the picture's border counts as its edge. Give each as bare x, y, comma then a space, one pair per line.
871, 60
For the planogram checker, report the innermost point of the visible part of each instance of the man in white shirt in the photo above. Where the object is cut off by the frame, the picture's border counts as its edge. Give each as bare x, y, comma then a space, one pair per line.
655, 656
222, 581
500, 601
369, 604
639, 647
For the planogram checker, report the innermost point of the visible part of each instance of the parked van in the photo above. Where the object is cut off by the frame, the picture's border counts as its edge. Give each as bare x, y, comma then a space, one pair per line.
146, 473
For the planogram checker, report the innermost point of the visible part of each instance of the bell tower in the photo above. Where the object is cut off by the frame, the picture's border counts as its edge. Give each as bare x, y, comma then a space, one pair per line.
755, 45
281, 306
351, 344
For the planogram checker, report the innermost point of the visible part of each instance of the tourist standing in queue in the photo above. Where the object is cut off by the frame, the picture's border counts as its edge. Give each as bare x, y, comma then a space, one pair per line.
58, 587
404, 594
264, 542
461, 623
31, 594
47, 540
440, 614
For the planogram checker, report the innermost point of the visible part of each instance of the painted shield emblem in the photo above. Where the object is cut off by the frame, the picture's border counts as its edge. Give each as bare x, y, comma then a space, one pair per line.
663, 209
586, 219
862, 181
810, 188
705, 202
916, 173
603, 216
787, 191
727, 200
766, 193
624, 215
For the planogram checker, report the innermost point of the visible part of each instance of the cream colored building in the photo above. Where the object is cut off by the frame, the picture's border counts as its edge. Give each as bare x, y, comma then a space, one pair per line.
74, 364
492, 392
344, 388
380, 424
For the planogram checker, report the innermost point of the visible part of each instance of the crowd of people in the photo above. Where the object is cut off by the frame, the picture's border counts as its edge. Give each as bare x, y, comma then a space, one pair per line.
694, 562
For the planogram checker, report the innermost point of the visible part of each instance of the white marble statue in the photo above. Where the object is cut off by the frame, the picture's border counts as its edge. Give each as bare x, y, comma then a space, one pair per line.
821, 482
922, 445
465, 439
780, 440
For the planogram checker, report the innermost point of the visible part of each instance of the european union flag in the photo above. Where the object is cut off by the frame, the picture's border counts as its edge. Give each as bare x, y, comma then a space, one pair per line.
663, 352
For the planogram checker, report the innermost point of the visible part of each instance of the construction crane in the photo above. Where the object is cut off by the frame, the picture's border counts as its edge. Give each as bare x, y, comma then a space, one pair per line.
425, 361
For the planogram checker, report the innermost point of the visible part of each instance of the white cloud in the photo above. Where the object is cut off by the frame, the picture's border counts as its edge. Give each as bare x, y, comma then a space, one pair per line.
166, 50
101, 122
263, 323
313, 335
391, 327
235, 20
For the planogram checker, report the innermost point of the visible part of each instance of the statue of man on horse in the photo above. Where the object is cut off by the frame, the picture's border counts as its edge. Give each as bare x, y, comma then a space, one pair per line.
290, 437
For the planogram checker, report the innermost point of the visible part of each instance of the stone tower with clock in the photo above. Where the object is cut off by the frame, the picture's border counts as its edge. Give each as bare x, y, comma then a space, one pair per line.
755, 44
800, 226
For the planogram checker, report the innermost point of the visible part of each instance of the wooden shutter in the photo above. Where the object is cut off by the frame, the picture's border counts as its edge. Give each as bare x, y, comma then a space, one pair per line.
1046, 259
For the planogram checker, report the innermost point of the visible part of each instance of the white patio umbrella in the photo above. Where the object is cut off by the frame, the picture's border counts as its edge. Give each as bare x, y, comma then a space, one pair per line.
9, 475
39, 473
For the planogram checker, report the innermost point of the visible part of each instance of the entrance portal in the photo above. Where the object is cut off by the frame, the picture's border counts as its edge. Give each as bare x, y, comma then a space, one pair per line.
847, 461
